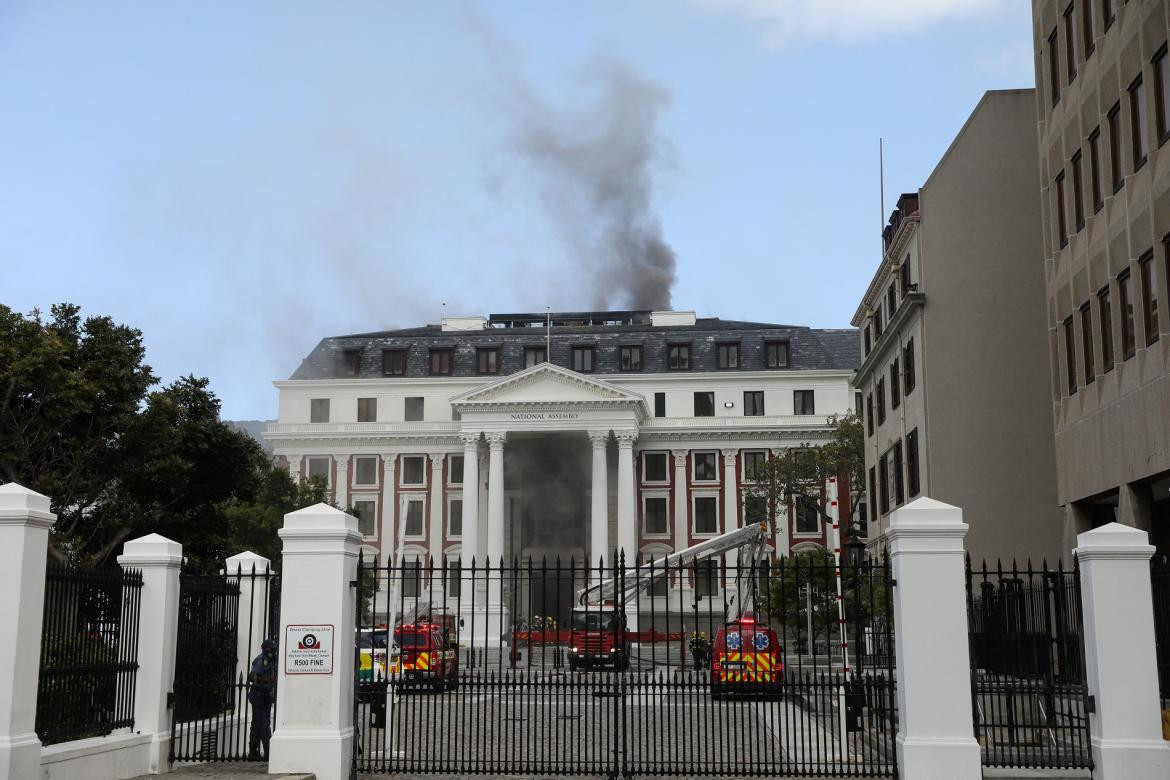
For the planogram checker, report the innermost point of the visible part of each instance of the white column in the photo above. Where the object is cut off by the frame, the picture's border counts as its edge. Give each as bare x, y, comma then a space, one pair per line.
681, 504
25, 521
599, 500
495, 523
730, 504
936, 733
294, 466
387, 538
341, 483
470, 542
626, 515
251, 573
435, 535
1120, 660
314, 712
159, 559
783, 540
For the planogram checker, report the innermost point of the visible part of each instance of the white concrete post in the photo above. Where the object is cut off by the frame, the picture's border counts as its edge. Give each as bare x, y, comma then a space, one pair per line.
627, 531
341, 483
470, 541
599, 500
730, 508
25, 521
936, 733
681, 504
435, 531
159, 559
251, 572
387, 538
294, 466
1120, 660
314, 712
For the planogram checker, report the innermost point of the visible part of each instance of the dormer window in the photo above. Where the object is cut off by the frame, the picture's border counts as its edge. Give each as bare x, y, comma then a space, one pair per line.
441, 361
351, 362
776, 354
678, 357
729, 355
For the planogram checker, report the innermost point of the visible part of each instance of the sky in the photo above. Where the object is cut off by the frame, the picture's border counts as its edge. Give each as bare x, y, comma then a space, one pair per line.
240, 180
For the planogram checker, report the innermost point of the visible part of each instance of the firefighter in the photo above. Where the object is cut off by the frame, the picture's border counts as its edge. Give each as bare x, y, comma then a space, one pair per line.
262, 679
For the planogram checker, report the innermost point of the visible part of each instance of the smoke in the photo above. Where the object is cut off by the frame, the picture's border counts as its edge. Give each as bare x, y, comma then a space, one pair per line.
597, 165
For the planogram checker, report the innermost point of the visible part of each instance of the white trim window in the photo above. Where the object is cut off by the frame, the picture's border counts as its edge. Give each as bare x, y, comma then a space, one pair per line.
660, 588
453, 575
705, 466
320, 466
455, 516
411, 573
655, 468
414, 516
705, 514
365, 470
455, 470
414, 471
807, 520
752, 460
365, 509
705, 578
656, 514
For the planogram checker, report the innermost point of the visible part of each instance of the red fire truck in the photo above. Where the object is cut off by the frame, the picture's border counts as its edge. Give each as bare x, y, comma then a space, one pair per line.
746, 658
429, 655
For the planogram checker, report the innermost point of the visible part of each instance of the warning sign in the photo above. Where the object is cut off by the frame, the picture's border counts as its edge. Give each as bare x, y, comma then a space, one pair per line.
308, 650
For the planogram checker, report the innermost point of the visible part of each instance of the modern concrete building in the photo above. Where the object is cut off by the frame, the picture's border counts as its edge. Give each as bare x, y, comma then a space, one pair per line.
954, 370
1104, 117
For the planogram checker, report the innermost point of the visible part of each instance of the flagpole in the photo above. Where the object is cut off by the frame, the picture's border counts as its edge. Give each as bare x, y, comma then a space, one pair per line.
548, 335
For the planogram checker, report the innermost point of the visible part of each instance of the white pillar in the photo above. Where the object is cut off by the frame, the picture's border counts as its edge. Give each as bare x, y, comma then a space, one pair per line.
314, 712
783, 540
495, 523
159, 559
435, 534
936, 734
341, 483
294, 466
1120, 660
387, 538
251, 572
470, 541
25, 521
626, 515
681, 504
730, 506
599, 500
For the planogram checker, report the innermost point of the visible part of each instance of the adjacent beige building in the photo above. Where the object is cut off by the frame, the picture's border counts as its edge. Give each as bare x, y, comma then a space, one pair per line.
954, 373
1103, 100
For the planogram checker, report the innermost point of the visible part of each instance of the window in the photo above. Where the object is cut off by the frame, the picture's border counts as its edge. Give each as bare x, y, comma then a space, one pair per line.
660, 404
394, 362
653, 466
1108, 11
678, 357
704, 466
583, 359
1053, 68
729, 355
1088, 27
1070, 357
873, 494
320, 469
752, 461
704, 404
367, 410
808, 515
881, 400
366, 513
413, 514
1149, 276
319, 410
1061, 225
913, 480
414, 409
706, 579
631, 359
904, 273
706, 515
1078, 193
896, 465
455, 518
867, 340
877, 321
776, 352
455, 469
534, 356
755, 510
753, 403
654, 516
413, 469
440, 361
1087, 341
892, 299
1137, 119
1114, 119
1125, 299
454, 578
1105, 318
1070, 37
895, 379
351, 362
1161, 98
908, 378
1095, 169
802, 402
411, 578
487, 361
869, 414
858, 403
365, 470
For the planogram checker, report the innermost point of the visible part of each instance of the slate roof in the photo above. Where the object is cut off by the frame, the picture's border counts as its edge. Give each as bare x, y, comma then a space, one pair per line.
809, 349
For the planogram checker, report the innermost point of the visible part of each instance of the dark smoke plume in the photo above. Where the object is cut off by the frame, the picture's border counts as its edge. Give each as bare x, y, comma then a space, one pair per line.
597, 166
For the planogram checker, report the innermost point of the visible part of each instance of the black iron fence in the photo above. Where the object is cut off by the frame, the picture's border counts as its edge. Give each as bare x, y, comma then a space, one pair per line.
89, 652
713, 669
1160, 584
1029, 698
223, 619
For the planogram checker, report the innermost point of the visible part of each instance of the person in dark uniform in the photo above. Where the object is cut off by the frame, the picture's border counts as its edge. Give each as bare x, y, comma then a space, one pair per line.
262, 688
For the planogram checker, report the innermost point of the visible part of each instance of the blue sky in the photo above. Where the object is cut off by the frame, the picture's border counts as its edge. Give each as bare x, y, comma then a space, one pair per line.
239, 180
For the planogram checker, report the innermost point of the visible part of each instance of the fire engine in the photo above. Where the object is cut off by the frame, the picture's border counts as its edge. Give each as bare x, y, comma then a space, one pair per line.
746, 658
428, 654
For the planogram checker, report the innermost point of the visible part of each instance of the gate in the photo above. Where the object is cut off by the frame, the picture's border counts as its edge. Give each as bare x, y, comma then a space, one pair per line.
1030, 700
222, 621
474, 680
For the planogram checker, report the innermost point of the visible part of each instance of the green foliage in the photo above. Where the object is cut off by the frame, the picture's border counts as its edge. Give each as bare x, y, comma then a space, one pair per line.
78, 687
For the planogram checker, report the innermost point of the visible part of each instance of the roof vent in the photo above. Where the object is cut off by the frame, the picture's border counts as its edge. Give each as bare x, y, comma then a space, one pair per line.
666, 319
464, 323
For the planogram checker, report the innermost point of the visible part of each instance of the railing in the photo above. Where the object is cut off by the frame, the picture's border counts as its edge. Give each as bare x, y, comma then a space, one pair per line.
1160, 584
1029, 698
89, 652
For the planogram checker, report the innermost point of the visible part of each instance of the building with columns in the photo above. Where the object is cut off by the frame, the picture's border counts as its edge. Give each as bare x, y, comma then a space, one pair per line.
510, 437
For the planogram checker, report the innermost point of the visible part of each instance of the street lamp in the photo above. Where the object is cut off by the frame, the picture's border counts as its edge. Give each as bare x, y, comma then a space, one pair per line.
855, 551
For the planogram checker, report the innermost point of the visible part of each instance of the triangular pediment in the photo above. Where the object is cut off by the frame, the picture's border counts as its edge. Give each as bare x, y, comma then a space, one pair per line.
547, 384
